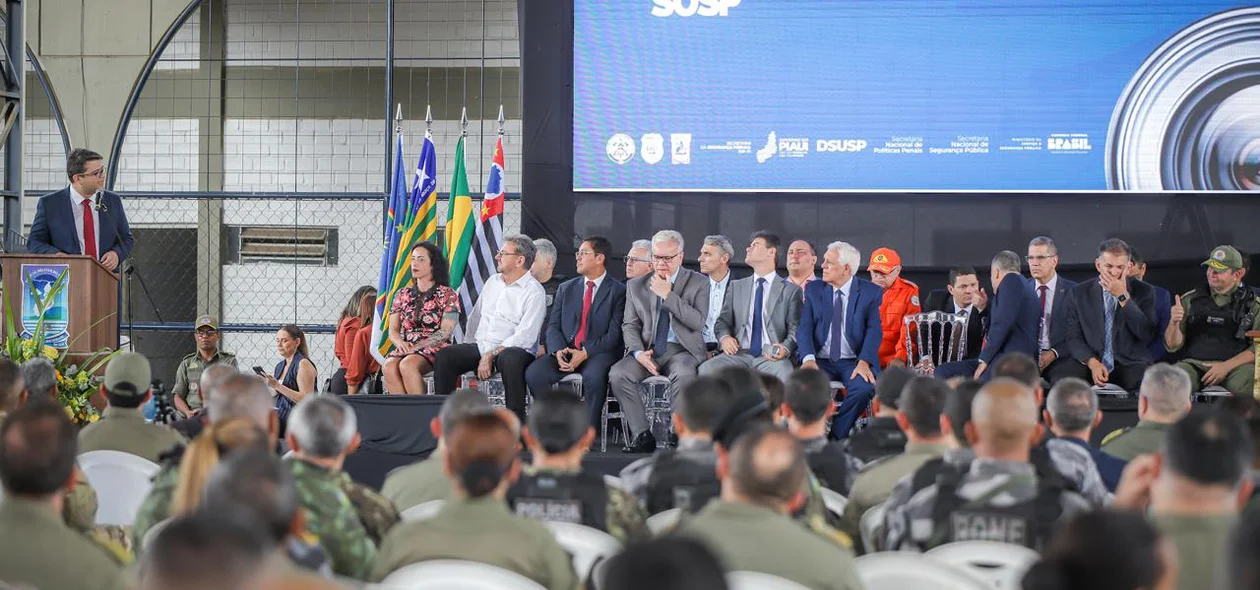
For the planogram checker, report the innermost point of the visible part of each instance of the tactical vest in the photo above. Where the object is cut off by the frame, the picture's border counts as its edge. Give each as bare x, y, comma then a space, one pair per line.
1218, 332
1029, 523
579, 498
831, 466
877, 442
1038, 457
681, 482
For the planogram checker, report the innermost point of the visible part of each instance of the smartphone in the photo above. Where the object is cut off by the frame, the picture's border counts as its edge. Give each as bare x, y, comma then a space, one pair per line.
260, 371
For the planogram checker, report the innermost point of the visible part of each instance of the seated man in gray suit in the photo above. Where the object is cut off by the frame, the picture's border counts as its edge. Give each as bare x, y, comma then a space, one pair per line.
664, 332
757, 325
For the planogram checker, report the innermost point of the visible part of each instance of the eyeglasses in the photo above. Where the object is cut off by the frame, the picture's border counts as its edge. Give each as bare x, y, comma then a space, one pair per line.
630, 259
502, 253
207, 332
99, 173
1039, 258
659, 258
583, 253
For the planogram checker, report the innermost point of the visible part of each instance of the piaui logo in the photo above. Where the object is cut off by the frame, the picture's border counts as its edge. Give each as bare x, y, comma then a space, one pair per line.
664, 8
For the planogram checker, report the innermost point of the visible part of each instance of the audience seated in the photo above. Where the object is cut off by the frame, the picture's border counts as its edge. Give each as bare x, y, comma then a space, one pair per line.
758, 316
1110, 324
40, 377
1242, 569
1163, 304
901, 298
1163, 399
211, 378
1071, 414
881, 437
556, 488
121, 427
663, 328
668, 563
801, 261
1193, 490
208, 551
357, 313
583, 333
683, 477
1051, 290
962, 296
840, 333
808, 406
776, 395
1106, 550
748, 527
1208, 326
323, 430
1000, 496
295, 376
714, 260
37, 450
928, 436
188, 397
475, 524
503, 327
1013, 322
422, 318
638, 259
958, 409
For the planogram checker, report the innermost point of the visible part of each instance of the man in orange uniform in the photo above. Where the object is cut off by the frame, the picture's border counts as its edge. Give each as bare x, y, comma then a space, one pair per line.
901, 297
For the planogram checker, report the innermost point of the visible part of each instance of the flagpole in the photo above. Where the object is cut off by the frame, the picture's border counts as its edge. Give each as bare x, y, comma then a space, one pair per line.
463, 123
501, 120
389, 176
428, 120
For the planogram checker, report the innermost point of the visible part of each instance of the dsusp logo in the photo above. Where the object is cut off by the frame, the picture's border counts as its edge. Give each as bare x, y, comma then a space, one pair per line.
664, 8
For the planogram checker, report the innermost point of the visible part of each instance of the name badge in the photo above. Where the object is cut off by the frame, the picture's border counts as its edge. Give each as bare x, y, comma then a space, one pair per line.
1215, 320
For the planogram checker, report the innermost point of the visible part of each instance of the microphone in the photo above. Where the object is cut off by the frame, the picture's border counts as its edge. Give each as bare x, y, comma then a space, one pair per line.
100, 205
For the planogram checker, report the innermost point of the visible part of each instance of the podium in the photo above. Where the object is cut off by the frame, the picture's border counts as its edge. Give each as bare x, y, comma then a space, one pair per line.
84, 316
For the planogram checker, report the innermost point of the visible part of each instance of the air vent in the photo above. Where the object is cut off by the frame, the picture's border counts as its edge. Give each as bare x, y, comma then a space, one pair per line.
287, 245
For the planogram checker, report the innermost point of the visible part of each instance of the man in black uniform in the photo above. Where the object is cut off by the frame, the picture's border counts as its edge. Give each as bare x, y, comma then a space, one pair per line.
882, 437
555, 488
808, 408
684, 477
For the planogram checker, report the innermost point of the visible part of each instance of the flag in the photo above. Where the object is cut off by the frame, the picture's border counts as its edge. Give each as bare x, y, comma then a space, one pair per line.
394, 215
459, 226
488, 234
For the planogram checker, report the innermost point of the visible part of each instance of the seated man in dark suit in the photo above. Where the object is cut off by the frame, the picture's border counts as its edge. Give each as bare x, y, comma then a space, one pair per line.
82, 218
1012, 323
1071, 414
839, 333
1110, 323
963, 296
1163, 304
584, 331
1051, 289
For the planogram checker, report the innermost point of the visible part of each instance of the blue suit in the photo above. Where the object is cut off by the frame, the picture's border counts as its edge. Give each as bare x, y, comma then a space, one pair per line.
603, 342
1013, 324
54, 231
862, 331
1109, 466
1163, 314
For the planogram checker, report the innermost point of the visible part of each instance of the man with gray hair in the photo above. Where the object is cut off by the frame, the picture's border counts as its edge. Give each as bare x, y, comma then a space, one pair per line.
1013, 321
211, 377
639, 259
715, 262
41, 378
425, 480
509, 318
1163, 399
1072, 414
663, 327
543, 270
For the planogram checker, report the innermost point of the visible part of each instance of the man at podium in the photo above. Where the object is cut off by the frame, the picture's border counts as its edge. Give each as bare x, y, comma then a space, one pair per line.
82, 218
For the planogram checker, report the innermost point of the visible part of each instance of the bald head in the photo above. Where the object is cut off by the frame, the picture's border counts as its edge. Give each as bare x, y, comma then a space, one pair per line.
1003, 416
765, 467
241, 395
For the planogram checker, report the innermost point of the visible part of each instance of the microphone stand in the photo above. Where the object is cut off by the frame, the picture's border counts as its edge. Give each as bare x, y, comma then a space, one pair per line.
130, 271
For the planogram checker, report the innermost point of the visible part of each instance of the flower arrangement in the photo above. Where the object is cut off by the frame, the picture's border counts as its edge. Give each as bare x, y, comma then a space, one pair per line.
76, 383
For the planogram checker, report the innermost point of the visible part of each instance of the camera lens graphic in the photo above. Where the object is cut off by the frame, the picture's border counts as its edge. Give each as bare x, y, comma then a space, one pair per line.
1189, 120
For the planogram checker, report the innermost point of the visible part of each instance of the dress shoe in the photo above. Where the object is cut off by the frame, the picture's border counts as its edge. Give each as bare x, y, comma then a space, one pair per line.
644, 443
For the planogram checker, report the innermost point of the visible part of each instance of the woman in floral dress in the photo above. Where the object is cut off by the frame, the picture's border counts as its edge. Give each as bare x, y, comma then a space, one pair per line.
421, 321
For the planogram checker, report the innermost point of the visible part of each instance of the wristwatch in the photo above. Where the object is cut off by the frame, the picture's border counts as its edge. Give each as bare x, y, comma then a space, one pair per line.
1123, 297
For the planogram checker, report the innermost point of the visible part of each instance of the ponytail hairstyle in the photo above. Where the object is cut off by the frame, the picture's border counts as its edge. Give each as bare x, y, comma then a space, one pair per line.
481, 452
206, 451
296, 333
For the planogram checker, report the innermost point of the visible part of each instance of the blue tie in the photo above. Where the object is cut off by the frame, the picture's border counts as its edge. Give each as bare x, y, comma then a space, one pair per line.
837, 325
662, 331
1109, 319
754, 347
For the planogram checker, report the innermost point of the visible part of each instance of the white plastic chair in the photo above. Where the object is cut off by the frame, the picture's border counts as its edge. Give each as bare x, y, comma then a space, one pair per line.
615, 482
898, 570
872, 527
450, 574
1002, 564
745, 580
589, 547
121, 481
835, 501
422, 511
662, 522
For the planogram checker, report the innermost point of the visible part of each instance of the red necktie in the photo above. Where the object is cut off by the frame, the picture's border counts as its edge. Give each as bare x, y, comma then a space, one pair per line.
586, 312
89, 230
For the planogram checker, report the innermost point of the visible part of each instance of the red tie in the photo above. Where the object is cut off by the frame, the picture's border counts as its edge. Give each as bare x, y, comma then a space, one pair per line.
89, 230
586, 312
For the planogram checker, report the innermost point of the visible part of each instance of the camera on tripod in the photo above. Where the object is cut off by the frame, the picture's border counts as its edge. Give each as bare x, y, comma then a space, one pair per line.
165, 408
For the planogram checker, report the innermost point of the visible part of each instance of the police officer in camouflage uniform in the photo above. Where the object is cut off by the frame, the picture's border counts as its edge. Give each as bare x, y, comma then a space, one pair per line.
322, 431
1000, 496
425, 481
1163, 400
555, 488
749, 527
186, 391
122, 427
1211, 323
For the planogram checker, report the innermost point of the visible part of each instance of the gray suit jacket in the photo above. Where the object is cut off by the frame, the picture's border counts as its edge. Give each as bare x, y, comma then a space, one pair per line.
783, 299
688, 305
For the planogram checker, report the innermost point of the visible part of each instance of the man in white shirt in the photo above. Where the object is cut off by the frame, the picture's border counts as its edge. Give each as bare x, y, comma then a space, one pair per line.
715, 262
511, 309
756, 326
1051, 289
